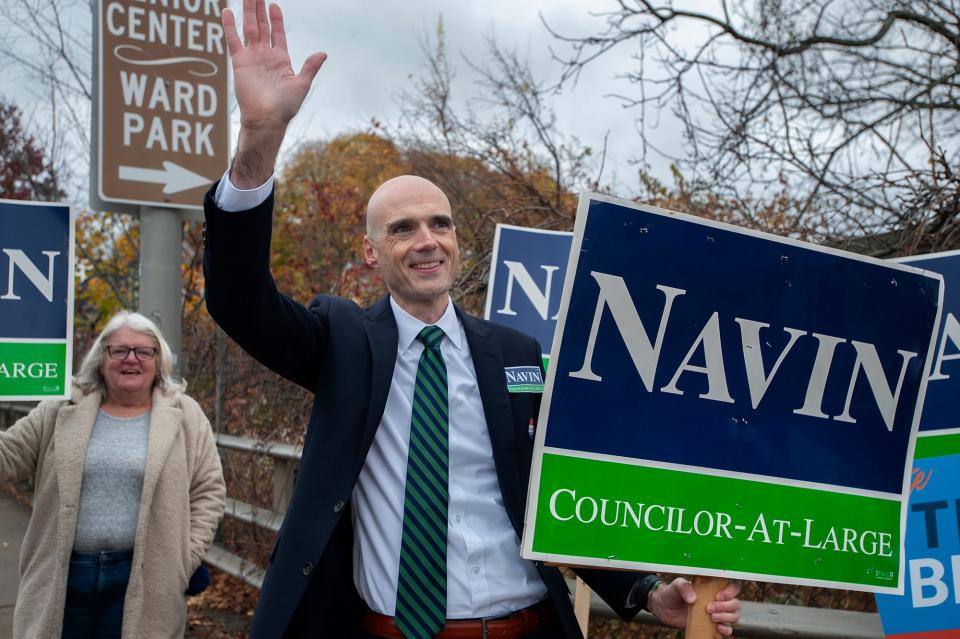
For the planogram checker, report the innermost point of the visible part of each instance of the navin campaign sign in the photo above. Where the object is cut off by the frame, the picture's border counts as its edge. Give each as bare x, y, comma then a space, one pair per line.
726, 402
36, 300
527, 270
940, 424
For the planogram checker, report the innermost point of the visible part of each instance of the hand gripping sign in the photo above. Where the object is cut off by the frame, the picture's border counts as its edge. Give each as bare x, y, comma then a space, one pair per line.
729, 403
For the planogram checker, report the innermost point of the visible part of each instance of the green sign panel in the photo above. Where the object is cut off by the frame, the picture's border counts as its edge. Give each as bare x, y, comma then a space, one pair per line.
936, 445
32, 369
696, 523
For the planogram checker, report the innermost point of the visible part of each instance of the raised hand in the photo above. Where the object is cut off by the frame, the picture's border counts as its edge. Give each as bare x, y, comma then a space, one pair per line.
268, 92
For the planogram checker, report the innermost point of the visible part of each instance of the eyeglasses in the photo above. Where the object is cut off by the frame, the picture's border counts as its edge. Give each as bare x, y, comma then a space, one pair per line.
142, 353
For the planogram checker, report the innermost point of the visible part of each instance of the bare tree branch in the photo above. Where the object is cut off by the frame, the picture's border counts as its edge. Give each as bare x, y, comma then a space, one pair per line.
820, 98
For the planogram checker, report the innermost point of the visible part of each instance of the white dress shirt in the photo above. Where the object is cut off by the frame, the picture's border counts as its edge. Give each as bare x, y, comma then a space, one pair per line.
486, 576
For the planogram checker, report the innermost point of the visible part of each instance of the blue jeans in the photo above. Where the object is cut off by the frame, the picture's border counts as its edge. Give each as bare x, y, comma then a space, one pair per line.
96, 587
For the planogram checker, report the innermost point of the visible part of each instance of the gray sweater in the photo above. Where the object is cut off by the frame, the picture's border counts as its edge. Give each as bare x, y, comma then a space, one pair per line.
112, 483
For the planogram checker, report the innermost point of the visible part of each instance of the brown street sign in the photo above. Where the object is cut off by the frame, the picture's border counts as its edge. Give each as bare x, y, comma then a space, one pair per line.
162, 127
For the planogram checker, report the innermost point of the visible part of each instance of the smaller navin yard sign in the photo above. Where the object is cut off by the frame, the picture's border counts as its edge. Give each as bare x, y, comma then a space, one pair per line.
729, 403
527, 271
161, 116
930, 605
940, 422
36, 300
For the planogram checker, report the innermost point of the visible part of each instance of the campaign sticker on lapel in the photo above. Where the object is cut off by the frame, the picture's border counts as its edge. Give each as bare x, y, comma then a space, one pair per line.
524, 379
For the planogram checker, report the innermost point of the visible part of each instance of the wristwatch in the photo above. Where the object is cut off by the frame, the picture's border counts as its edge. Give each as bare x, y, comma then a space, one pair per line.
640, 593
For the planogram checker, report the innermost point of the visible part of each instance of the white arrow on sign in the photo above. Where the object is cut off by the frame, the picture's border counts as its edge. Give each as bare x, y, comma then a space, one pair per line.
174, 177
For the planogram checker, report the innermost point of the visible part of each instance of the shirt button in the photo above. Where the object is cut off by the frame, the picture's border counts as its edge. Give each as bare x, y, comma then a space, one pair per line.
458, 518
307, 568
337, 507
476, 570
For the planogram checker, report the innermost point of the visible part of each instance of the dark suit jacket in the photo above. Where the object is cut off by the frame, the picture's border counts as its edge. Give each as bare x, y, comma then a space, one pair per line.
345, 355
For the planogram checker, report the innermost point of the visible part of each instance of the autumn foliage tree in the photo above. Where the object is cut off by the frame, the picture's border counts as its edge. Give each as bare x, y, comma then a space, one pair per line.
26, 172
320, 219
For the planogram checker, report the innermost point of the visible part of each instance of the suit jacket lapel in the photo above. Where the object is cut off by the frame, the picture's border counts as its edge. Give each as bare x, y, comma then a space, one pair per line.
381, 330
488, 364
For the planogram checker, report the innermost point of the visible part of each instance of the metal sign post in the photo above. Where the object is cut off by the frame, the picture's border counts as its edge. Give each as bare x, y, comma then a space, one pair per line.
161, 238
161, 131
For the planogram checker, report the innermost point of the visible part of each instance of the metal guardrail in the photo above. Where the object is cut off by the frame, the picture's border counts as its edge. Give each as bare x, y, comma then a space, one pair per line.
758, 620
285, 459
15, 411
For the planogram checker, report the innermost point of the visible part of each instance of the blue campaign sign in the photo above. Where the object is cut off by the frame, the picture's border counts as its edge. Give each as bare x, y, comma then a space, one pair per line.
930, 605
35, 270
527, 271
36, 300
940, 406
699, 344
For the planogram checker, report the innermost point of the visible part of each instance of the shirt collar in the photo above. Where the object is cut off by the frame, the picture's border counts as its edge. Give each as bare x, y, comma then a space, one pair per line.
408, 326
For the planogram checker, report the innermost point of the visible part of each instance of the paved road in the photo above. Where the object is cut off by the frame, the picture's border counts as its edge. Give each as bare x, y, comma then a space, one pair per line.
13, 523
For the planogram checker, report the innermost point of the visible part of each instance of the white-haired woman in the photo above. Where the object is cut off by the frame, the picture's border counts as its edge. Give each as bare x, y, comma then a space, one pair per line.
128, 492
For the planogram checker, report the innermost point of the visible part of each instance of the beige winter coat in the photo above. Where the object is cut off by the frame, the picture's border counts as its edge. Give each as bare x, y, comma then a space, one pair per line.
181, 505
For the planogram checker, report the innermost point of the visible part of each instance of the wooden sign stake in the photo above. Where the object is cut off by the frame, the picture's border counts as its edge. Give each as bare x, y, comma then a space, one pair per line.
581, 605
699, 625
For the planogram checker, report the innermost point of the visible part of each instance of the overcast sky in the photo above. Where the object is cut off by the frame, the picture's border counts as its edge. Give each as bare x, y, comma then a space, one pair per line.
374, 48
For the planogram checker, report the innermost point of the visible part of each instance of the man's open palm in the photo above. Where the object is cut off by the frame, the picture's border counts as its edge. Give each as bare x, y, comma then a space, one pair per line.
268, 92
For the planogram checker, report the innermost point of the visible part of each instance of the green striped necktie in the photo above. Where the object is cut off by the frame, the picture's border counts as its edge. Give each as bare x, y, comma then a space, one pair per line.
422, 583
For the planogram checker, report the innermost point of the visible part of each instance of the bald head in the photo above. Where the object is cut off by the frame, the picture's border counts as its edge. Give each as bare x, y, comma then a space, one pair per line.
412, 242
401, 191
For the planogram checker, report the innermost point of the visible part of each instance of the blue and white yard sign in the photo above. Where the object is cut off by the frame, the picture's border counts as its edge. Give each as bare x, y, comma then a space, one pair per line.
36, 300
930, 605
728, 402
527, 270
